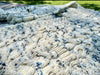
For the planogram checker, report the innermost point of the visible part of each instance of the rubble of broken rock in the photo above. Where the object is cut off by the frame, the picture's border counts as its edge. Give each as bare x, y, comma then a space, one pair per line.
65, 43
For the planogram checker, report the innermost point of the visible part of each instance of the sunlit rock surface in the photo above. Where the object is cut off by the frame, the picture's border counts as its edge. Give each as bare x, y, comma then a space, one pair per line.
50, 40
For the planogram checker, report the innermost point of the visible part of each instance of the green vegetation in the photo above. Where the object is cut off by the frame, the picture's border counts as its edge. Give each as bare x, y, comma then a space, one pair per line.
87, 4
